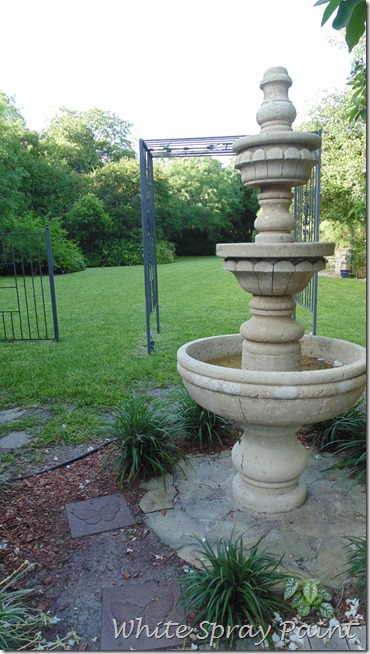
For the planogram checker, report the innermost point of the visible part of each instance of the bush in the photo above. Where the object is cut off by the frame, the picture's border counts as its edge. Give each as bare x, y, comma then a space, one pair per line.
129, 252
143, 437
357, 564
202, 426
346, 436
231, 588
67, 256
358, 259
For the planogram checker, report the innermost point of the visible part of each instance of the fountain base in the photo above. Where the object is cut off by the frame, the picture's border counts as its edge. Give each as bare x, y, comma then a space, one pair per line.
269, 462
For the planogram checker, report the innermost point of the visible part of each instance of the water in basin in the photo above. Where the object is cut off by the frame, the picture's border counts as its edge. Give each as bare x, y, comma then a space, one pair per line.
307, 362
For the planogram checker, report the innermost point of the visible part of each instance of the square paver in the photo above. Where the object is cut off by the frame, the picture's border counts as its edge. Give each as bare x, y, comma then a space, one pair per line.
142, 616
98, 514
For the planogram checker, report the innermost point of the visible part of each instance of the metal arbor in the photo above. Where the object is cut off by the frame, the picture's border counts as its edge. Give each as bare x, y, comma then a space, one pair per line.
306, 212
164, 148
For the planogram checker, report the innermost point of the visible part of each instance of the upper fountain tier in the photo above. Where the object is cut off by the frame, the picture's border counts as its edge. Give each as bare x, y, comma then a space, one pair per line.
274, 161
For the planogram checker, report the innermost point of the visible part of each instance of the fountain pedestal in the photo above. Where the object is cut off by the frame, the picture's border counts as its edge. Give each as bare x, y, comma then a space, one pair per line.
271, 395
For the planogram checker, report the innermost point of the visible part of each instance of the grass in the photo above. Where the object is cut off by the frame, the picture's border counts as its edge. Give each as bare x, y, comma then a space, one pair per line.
101, 357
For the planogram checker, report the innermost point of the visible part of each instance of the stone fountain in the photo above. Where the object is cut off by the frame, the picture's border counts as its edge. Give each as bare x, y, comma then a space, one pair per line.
268, 391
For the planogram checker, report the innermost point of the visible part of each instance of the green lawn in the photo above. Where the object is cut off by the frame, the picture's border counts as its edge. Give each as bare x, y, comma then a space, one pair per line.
101, 356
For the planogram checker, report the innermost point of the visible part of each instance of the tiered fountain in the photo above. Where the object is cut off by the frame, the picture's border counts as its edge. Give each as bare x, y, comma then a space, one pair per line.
269, 392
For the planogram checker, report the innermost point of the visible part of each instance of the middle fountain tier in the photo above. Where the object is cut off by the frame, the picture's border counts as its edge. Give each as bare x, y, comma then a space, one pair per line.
270, 394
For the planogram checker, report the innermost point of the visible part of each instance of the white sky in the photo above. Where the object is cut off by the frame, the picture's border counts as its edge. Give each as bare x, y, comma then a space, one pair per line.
172, 68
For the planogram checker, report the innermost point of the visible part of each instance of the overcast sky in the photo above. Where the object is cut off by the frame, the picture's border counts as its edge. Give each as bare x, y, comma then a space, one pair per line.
172, 68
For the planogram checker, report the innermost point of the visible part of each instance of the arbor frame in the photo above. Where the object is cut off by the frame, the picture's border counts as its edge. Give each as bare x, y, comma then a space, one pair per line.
306, 213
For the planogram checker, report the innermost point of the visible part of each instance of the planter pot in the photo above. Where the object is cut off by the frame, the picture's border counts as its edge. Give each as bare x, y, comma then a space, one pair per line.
345, 273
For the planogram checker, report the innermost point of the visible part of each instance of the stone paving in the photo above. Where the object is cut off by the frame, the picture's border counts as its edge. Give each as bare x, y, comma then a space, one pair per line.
312, 539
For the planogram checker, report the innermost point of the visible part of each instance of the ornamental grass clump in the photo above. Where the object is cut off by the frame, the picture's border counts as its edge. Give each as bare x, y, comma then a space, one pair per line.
357, 564
232, 588
346, 436
202, 427
143, 437
21, 626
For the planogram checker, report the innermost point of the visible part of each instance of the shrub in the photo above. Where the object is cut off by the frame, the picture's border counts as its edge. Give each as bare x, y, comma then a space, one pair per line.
165, 252
346, 436
67, 257
231, 588
143, 437
202, 426
129, 252
357, 564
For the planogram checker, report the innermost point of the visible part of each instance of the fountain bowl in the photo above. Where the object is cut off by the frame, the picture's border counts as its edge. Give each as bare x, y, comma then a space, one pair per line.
271, 397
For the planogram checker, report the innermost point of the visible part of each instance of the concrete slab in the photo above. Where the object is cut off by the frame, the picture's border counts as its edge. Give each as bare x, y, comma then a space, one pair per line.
15, 440
98, 514
137, 616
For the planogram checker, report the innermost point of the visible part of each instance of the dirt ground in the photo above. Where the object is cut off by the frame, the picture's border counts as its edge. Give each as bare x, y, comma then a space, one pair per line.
71, 572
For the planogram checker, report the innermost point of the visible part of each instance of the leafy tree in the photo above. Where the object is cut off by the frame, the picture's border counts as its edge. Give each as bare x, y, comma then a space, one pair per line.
87, 140
90, 225
117, 185
210, 205
343, 159
13, 154
350, 15
358, 84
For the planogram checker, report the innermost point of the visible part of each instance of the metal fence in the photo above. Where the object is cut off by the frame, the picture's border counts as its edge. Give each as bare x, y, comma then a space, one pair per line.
307, 217
27, 292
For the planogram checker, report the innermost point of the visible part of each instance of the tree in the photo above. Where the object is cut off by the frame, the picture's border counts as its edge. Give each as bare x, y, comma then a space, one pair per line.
209, 204
117, 185
358, 84
343, 159
90, 225
350, 15
87, 140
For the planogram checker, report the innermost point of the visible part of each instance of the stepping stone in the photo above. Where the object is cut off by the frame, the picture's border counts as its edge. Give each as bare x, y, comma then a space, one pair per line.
11, 414
15, 440
98, 514
136, 617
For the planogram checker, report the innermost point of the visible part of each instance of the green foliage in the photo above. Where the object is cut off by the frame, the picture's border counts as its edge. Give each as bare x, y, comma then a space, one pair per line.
307, 597
202, 426
350, 15
86, 140
90, 225
358, 84
232, 588
343, 182
129, 252
143, 437
346, 436
21, 626
358, 259
67, 256
357, 564
208, 204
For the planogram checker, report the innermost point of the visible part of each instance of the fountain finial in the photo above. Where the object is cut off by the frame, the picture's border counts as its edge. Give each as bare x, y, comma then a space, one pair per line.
276, 113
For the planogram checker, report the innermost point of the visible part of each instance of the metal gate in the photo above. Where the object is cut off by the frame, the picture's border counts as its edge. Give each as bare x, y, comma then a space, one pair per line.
27, 292
307, 217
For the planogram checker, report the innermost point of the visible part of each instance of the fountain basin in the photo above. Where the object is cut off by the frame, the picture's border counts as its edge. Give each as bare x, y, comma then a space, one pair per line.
270, 406
270, 397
